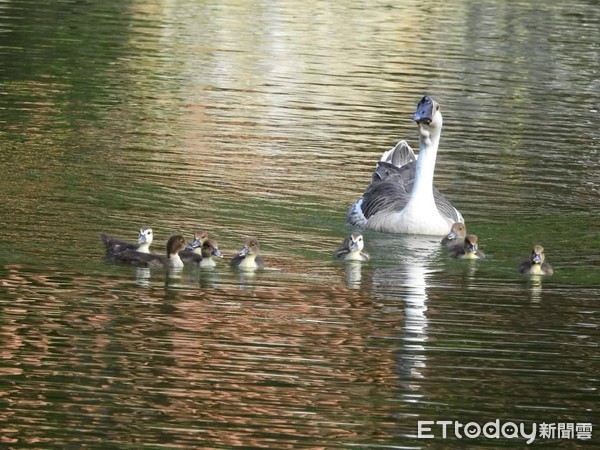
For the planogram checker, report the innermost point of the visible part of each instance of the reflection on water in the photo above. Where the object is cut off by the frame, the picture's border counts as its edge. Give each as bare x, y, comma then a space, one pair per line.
265, 119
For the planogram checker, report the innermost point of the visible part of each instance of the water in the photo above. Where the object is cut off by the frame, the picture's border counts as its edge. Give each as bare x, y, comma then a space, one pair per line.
266, 119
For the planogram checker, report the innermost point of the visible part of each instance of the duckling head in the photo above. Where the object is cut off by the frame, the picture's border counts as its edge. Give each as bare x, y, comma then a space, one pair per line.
356, 242
145, 236
200, 238
210, 248
250, 247
175, 244
458, 230
471, 244
537, 254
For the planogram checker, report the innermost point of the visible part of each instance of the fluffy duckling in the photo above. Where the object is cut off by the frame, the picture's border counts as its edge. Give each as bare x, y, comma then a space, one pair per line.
249, 257
468, 250
457, 236
174, 245
352, 248
208, 249
114, 245
535, 265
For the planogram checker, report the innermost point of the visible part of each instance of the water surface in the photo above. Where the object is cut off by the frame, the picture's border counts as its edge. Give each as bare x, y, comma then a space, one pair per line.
266, 119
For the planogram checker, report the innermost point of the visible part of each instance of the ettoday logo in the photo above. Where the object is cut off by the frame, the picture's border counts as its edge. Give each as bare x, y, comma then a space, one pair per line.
430, 429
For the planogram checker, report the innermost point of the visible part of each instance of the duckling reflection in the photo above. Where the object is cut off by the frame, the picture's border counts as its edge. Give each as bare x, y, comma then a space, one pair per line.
142, 276
353, 273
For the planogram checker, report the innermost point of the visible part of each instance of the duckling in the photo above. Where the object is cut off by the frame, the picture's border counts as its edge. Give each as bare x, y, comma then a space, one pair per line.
249, 257
535, 265
174, 245
209, 249
457, 236
352, 248
114, 245
468, 250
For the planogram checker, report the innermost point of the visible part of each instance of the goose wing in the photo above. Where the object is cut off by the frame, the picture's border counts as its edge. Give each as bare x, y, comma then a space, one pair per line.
390, 190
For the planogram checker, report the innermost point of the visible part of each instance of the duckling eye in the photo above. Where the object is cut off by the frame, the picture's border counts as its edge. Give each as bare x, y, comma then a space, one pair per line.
437, 107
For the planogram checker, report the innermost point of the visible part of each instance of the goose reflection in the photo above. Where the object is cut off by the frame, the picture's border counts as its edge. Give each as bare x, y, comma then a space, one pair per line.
408, 280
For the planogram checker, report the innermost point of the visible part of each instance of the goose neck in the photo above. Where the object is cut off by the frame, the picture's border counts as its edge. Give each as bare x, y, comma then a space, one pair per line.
428, 146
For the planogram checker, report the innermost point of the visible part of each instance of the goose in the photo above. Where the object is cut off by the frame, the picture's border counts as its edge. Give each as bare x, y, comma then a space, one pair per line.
204, 259
175, 244
536, 264
249, 257
401, 197
114, 245
469, 249
352, 248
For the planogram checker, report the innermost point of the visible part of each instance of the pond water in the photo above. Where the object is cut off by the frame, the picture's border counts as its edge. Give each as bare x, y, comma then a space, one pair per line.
266, 119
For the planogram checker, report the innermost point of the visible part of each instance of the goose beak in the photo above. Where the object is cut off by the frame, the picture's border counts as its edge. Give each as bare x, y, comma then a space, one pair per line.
451, 236
353, 246
424, 112
141, 238
537, 258
216, 252
244, 252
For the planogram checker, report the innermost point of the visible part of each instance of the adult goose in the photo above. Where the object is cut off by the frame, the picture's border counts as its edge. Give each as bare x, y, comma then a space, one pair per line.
401, 197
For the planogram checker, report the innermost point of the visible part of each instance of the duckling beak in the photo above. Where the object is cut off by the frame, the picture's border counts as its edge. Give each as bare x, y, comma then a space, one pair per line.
216, 252
141, 238
536, 258
472, 248
353, 246
244, 252
451, 236
193, 245
424, 112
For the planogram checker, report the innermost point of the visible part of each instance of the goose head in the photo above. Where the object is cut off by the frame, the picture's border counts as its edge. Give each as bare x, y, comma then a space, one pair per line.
428, 118
145, 236
175, 244
428, 112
